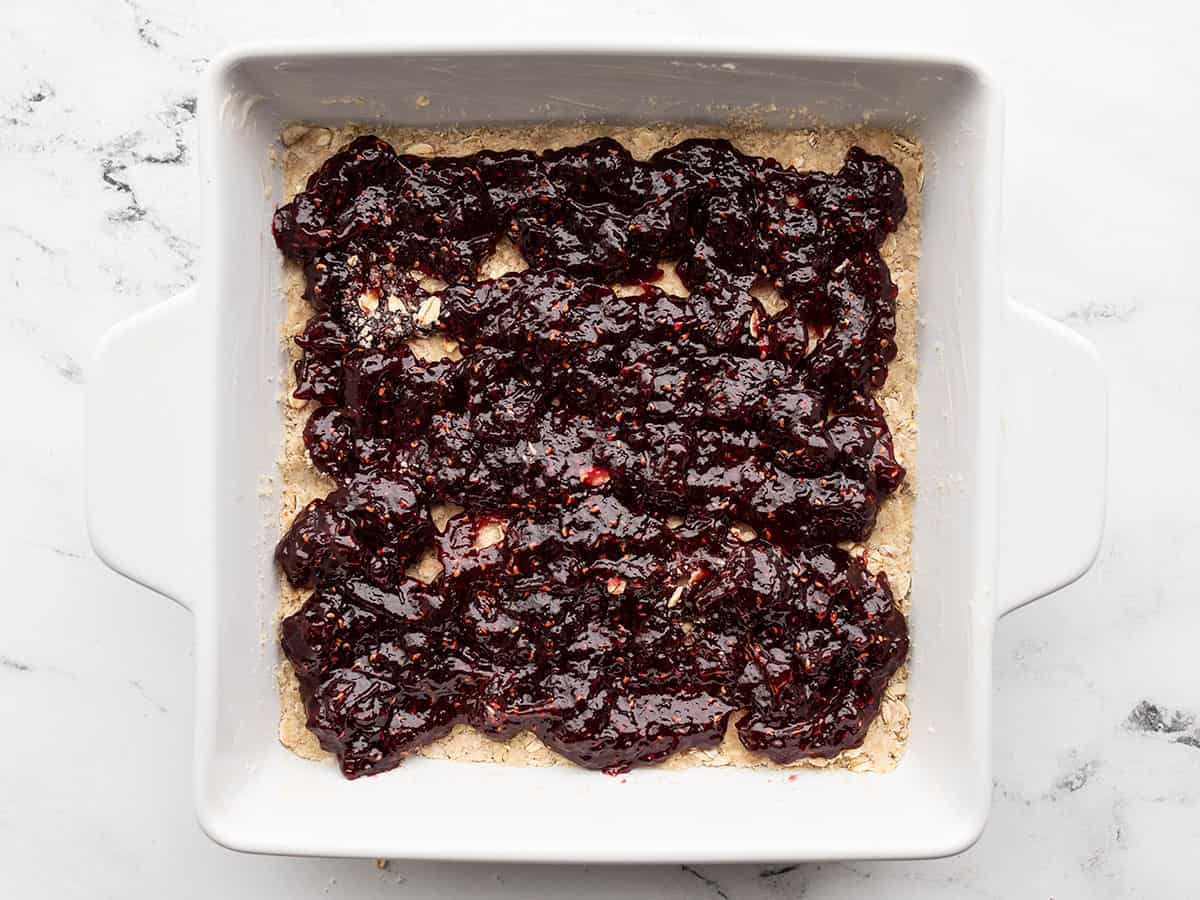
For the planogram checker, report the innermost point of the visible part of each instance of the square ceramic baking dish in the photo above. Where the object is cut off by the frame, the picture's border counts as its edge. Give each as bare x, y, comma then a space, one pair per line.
185, 425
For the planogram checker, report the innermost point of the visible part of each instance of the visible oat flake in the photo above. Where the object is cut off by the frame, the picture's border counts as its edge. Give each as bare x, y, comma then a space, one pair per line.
428, 312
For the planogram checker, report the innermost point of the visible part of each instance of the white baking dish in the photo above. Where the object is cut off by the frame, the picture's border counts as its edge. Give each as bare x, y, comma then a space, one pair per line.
184, 427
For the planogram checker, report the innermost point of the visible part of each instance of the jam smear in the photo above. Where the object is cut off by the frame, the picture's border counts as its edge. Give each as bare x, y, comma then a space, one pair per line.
608, 450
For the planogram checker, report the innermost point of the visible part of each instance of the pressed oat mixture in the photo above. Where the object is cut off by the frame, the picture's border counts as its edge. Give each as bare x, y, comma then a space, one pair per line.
889, 546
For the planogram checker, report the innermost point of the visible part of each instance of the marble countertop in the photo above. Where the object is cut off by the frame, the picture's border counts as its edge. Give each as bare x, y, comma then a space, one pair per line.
1097, 713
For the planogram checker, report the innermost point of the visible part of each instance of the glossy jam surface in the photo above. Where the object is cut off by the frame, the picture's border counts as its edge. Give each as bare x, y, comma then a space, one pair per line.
604, 443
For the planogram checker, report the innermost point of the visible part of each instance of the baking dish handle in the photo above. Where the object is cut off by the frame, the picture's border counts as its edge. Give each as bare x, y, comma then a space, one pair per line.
140, 427
1054, 458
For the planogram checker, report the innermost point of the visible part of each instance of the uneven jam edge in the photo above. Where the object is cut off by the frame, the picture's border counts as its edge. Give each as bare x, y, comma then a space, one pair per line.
585, 424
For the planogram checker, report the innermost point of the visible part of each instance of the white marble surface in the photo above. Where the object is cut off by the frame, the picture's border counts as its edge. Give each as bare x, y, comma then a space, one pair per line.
99, 218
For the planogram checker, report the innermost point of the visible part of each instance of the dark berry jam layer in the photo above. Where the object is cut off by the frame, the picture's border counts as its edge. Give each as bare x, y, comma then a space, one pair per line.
610, 439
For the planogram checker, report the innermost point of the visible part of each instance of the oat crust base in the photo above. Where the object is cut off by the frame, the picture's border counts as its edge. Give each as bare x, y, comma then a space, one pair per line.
890, 544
